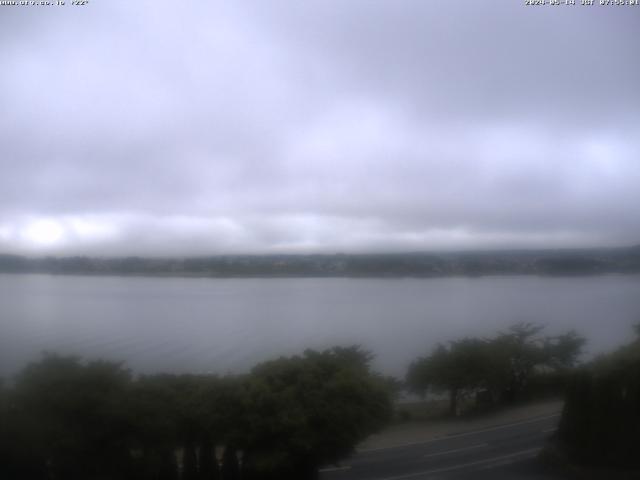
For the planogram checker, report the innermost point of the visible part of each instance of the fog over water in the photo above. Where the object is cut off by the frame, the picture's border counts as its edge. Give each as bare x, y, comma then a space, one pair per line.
227, 325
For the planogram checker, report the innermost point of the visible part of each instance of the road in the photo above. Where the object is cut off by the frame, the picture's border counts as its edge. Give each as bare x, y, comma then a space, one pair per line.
499, 452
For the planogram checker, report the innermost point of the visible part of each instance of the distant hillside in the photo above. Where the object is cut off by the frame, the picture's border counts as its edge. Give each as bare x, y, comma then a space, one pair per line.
540, 262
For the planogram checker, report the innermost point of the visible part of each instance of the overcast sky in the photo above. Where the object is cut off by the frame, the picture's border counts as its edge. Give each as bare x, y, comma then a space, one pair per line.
179, 128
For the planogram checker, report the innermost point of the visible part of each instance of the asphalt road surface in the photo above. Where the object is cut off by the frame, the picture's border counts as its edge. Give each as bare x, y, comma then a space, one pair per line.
501, 452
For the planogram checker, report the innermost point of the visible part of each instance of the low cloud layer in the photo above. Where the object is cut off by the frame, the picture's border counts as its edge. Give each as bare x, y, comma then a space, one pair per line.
321, 126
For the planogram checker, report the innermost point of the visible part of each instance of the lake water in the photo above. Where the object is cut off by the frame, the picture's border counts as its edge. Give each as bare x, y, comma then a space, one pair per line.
227, 325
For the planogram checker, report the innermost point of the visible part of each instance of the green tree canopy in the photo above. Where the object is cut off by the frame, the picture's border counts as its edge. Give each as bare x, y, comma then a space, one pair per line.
601, 418
68, 419
501, 366
73, 416
308, 410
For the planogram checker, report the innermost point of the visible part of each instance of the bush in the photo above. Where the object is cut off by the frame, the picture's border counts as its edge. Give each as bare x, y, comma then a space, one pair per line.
69, 419
600, 424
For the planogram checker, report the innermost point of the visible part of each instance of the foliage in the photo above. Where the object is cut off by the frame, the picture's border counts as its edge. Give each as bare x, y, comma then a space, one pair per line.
312, 409
70, 419
600, 423
463, 365
64, 418
498, 368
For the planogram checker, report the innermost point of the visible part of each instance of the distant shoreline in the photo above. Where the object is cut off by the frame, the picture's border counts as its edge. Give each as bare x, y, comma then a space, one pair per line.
312, 276
567, 262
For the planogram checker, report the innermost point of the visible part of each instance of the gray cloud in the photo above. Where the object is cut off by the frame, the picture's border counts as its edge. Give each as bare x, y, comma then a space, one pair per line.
318, 126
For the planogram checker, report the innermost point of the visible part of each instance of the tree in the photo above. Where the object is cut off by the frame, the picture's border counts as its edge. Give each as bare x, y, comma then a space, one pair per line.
458, 369
563, 351
183, 414
310, 410
500, 367
519, 351
153, 407
69, 419
600, 422
73, 417
523, 352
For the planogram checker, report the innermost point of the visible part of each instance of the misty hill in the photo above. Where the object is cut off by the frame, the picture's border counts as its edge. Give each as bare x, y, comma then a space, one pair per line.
545, 262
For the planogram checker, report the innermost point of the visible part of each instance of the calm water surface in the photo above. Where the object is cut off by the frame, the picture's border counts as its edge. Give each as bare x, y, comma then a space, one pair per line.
227, 325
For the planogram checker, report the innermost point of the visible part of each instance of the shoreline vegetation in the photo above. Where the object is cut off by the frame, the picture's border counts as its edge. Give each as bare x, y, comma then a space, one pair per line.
622, 260
62, 417
598, 431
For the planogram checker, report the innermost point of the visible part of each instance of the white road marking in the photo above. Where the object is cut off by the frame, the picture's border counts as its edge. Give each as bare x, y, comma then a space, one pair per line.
501, 460
335, 469
548, 430
458, 435
446, 452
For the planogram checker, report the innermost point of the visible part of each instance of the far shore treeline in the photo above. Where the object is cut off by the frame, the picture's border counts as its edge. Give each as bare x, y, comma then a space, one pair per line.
62, 417
419, 264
